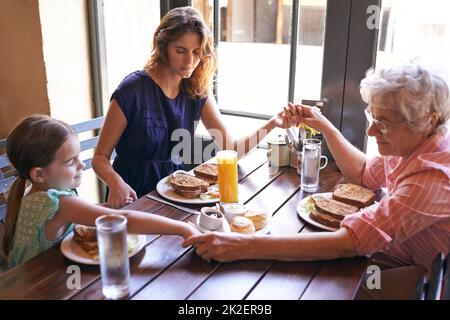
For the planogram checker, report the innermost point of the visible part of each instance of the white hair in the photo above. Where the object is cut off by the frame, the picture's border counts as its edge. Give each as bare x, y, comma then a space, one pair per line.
410, 89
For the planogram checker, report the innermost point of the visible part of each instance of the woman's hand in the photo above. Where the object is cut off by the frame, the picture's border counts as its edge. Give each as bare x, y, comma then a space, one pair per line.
120, 194
286, 118
310, 116
219, 246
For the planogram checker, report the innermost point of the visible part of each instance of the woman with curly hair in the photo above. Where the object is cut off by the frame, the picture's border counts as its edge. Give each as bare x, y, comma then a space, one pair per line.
173, 92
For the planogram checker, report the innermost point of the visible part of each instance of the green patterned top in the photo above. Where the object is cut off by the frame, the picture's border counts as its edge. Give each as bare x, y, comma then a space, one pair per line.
29, 237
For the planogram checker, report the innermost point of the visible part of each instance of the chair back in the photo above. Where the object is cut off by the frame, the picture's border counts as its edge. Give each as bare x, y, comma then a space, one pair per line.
434, 285
446, 293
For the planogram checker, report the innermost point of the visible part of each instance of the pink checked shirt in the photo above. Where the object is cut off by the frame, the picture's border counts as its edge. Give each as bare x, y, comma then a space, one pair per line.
412, 222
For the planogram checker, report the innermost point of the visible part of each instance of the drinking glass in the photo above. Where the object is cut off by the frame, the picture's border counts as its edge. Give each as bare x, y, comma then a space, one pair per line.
113, 252
311, 157
228, 176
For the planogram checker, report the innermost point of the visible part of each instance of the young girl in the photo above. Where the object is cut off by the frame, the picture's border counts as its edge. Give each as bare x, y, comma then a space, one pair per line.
46, 152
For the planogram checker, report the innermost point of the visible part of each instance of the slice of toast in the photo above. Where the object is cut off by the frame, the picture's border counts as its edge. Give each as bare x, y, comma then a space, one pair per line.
86, 238
208, 172
354, 195
187, 183
189, 194
335, 209
324, 219
85, 233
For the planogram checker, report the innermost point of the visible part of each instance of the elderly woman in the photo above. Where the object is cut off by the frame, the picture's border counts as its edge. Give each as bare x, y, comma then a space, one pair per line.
408, 112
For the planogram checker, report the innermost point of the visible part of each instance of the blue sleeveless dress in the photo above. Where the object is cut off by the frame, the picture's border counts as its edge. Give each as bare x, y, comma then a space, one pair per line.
144, 152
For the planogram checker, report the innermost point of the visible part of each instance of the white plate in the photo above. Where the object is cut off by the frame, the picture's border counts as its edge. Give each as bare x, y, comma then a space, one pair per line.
226, 228
303, 212
165, 190
71, 250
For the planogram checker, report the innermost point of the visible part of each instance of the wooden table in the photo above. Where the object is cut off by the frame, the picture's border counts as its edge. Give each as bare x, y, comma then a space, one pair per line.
165, 270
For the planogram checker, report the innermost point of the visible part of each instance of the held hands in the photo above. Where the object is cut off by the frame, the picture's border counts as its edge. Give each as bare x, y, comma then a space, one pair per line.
189, 231
295, 114
279, 120
219, 246
120, 195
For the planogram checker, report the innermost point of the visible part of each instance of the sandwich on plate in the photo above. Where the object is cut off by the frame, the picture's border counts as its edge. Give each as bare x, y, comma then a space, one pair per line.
330, 212
187, 185
207, 172
86, 238
346, 199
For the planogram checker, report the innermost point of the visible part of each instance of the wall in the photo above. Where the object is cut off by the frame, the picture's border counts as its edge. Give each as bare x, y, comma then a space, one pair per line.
67, 62
45, 66
66, 56
23, 88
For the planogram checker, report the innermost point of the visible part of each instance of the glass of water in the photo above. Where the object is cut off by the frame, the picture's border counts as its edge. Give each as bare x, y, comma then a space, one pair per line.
311, 157
113, 252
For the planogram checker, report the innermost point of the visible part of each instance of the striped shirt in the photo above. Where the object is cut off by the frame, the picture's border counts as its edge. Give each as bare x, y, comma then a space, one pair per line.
412, 222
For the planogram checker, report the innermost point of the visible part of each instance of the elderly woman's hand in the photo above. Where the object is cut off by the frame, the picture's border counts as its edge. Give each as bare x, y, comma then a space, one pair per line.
220, 246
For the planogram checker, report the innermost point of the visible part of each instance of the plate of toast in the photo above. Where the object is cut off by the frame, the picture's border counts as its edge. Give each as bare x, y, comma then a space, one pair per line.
81, 245
327, 210
198, 186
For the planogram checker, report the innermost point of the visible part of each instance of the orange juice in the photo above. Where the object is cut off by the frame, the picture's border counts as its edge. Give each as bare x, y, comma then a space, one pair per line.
228, 176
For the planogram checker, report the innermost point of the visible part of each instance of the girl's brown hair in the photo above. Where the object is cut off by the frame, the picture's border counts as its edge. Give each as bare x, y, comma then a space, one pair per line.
32, 143
174, 25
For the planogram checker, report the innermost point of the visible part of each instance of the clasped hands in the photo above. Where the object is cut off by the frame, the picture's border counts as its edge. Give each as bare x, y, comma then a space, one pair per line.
293, 115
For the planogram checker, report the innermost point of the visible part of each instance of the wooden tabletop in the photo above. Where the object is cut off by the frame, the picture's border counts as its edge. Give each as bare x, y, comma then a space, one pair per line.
165, 270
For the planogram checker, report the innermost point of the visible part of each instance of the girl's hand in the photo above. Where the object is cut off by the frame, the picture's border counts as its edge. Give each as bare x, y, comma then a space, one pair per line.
219, 246
189, 231
120, 195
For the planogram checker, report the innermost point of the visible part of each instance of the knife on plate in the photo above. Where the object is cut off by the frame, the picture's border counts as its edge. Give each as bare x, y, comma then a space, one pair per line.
188, 210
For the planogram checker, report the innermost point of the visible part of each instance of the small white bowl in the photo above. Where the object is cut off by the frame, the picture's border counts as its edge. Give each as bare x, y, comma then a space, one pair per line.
210, 218
231, 210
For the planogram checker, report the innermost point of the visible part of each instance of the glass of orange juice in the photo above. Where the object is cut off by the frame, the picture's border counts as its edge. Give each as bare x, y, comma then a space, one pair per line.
228, 176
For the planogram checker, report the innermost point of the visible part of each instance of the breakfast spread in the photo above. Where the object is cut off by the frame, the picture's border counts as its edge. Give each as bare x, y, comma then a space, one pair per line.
239, 219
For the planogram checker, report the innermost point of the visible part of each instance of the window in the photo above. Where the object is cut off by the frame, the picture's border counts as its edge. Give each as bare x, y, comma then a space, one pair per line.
254, 55
269, 52
129, 27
